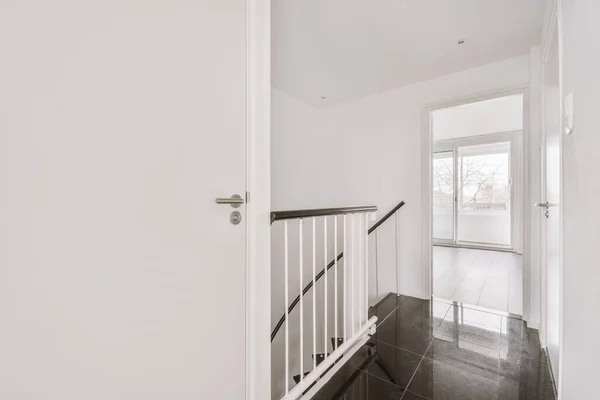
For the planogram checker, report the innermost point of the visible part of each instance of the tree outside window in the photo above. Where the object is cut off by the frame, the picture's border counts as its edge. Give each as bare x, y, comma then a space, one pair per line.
483, 182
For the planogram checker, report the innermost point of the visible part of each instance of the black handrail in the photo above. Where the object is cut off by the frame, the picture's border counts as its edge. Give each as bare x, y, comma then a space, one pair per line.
319, 212
385, 218
329, 266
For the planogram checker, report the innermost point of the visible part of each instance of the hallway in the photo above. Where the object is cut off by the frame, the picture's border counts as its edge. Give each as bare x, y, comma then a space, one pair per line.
433, 350
489, 279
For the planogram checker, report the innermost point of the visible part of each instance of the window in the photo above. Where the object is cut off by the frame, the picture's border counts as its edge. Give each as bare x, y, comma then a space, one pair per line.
484, 194
443, 195
484, 178
477, 178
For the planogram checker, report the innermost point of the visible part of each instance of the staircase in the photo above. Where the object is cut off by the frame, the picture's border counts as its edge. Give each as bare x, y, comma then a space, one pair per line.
328, 321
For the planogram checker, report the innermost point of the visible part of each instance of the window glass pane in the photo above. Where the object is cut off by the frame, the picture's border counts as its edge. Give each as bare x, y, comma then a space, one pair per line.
443, 196
484, 194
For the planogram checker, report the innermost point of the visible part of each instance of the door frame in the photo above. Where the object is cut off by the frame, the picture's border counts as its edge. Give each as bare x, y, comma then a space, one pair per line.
554, 25
258, 200
427, 181
515, 139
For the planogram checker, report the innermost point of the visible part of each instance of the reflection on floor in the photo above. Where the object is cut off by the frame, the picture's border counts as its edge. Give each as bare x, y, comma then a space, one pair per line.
427, 349
490, 279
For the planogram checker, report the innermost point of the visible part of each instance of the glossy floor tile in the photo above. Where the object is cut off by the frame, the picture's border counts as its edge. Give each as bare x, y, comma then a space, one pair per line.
489, 279
470, 357
392, 364
357, 381
411, 326
386, 307
432, 350
439, 380
463, 324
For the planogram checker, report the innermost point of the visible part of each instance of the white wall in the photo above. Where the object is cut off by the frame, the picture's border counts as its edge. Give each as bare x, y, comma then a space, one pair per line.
581, 276
367, 151
502, 114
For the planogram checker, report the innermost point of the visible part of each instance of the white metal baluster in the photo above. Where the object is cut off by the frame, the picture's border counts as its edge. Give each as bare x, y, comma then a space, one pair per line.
366, 233
335, 278
361, 249
301, 304
325, 286
353, 251
396, 247
314, 290
376, 265
345, 312
358, 269
287, 317
361, 272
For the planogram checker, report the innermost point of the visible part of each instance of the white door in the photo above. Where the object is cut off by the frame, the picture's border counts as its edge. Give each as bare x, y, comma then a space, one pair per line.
550, 206
122, 121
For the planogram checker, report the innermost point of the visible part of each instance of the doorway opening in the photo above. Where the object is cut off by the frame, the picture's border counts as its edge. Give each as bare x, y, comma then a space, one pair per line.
476, 199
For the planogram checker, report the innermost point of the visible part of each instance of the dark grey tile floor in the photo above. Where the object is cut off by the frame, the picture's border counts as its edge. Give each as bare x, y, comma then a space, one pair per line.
432, 350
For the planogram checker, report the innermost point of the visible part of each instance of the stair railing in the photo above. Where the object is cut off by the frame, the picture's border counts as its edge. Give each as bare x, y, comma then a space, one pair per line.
350, 231
352, 224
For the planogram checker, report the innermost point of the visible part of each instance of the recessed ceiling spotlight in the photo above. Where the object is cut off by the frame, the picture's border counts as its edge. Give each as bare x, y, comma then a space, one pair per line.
461, 41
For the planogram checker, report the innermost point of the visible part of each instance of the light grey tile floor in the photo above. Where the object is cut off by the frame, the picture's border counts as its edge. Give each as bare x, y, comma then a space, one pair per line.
490, 279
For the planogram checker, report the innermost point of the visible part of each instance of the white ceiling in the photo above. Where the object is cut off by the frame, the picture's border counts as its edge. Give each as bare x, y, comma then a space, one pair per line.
346, 49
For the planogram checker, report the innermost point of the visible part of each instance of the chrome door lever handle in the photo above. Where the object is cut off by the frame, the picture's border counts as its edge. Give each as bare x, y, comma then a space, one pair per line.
544, 204
235, 200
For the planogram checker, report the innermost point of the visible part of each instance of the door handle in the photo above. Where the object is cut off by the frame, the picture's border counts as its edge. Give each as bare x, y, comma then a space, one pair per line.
544, 204
547, 206
235, 200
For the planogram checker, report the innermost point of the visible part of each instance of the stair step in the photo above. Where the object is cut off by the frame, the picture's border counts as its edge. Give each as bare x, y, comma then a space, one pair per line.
320, 357
297, 380
297, 377
340, 341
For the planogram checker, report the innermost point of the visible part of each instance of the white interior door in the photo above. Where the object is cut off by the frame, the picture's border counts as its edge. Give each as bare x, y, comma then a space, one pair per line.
550, 205
122, 121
